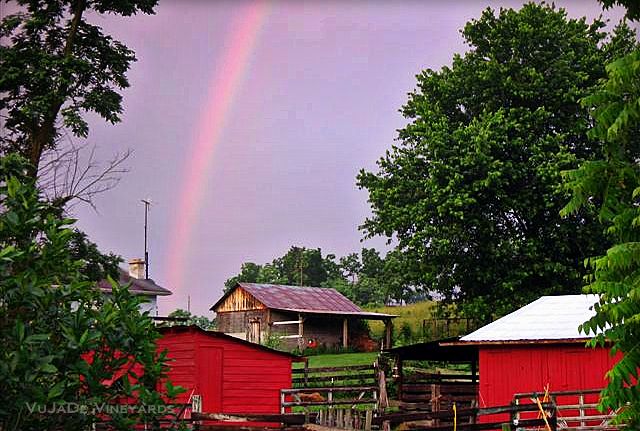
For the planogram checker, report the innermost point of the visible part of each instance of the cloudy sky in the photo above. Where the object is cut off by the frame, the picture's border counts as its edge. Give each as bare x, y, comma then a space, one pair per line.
249, 122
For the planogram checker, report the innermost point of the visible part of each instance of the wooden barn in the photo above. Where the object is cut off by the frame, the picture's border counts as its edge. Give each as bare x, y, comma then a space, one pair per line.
539, 348
299, 316
228, 375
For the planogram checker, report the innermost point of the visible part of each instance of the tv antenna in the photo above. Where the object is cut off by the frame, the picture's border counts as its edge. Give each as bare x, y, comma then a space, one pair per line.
147, 204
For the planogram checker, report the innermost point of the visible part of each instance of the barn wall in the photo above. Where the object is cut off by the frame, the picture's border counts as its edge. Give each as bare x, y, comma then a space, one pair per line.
251, 378
507, 369
239, 300
324, 330
182, 365
235, 322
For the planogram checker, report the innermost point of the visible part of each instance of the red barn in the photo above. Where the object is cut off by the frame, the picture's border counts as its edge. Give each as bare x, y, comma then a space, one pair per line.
538, 346
231, 375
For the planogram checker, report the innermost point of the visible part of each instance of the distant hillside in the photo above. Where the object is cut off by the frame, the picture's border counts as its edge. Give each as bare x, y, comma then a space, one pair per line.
415, 323
410, 316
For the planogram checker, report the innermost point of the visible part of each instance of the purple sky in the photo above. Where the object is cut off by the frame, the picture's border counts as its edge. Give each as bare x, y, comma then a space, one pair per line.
318, 102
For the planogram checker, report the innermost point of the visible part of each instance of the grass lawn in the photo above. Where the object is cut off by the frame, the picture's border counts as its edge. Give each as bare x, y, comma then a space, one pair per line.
340, 360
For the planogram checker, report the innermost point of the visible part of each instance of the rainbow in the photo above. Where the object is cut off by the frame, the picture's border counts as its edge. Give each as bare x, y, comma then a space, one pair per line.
223, 88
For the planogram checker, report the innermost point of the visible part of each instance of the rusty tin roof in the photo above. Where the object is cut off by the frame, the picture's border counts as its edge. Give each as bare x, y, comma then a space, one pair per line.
317, 300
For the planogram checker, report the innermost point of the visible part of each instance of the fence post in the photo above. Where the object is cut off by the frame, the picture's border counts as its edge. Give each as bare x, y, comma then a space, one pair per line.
435, 401
582, 412
306, 373
382, 385
368, 419
553, 420
512, 415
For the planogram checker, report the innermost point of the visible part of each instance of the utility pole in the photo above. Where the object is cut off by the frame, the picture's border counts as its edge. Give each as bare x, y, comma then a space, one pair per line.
301, 267
147, 203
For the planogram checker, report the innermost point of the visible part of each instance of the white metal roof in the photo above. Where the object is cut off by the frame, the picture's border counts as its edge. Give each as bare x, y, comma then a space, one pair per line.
547, 318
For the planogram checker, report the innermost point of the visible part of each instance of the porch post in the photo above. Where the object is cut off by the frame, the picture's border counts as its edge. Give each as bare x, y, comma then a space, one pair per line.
300, 331
388, 329
345, 333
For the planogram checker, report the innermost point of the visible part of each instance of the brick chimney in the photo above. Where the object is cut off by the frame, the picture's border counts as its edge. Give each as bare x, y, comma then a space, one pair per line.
136, 268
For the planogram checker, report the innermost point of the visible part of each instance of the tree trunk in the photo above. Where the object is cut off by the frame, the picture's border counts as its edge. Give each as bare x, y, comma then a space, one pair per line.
45, 134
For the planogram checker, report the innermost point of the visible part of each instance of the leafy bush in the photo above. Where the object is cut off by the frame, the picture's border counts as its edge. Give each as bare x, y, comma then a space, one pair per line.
64, 343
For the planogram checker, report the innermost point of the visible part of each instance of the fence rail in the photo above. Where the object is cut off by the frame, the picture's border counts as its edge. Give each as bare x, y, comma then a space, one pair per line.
340, 397
443, 420
576, 410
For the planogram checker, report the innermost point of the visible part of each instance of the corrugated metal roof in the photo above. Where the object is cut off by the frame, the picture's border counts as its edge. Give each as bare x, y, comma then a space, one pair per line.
319, 300
138, 286
547, 318
304, 298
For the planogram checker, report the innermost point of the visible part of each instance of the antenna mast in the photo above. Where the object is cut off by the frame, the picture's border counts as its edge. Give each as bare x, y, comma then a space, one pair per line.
147, 203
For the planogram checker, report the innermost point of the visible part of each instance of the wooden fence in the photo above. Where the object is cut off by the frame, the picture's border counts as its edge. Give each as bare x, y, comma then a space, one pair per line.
357, 375
339, 397
576, 410
466, 418
436, 392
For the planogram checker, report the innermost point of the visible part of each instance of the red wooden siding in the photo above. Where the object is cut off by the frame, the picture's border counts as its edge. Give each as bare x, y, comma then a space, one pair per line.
182, 354
210, 377
231, 375
509, 369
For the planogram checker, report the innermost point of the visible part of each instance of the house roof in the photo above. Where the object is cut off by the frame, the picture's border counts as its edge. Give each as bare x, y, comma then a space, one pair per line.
222, 335
316, 300
138, 286
549, 318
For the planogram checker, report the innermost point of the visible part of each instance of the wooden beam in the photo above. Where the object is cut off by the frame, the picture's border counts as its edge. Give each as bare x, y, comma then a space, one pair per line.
388, 330
400, 379
289, 419
300, 332
287, 322
474, 371
268, 326
345, 333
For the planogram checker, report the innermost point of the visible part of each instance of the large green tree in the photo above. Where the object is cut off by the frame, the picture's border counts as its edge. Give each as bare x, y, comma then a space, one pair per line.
299, 266
65, 345
366, 278
472, 190
186, 318
56, 67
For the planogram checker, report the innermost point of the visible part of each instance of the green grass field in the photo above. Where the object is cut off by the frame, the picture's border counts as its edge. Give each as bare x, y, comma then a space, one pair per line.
340, 360
412, 314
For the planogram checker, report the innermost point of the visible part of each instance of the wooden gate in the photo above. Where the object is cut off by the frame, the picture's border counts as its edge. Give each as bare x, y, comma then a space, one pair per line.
339, 397
576, 410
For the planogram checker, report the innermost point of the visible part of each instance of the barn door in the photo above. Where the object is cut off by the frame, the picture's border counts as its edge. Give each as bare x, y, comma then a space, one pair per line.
210, 378
254, 331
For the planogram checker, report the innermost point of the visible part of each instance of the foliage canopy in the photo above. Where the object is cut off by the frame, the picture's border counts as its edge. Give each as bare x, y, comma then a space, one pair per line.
56, 67
366, 278
472, 190
611, 185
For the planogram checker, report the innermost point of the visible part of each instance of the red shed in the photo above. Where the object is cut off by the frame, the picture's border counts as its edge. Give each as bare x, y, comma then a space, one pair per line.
231, 375
537, 346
